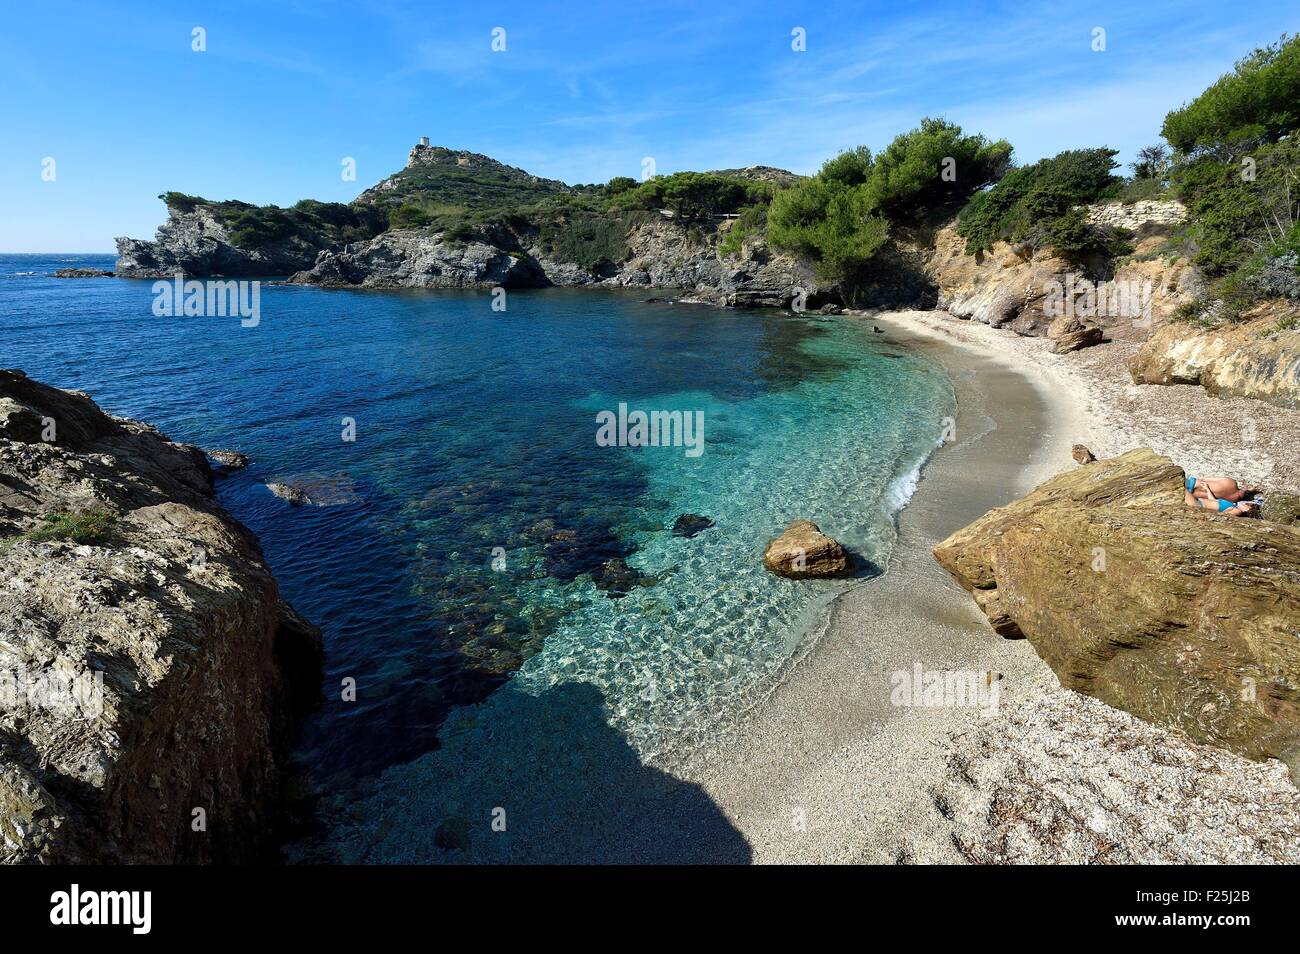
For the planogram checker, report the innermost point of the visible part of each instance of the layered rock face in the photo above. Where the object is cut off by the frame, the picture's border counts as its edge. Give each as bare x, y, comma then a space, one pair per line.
663, 254
417, 258
1180, 616
1255, 358
197, 243
150, 673
1026, 291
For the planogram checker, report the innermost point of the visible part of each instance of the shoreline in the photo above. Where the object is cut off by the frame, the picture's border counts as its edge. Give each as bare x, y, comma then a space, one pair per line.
823, 769
794, 749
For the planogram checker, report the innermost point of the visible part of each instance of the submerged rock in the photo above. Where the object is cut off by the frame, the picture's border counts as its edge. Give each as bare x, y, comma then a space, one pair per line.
803, 551
227, 459
616, 579
172, 669
316, 490
690, 524
1180, 616
81, 273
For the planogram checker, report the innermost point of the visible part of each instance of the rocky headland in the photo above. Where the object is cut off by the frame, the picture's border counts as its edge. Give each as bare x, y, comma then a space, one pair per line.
152, 674
1181, 617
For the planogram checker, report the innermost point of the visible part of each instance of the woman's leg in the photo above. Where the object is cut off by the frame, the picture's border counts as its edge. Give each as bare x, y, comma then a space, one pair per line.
1223, 487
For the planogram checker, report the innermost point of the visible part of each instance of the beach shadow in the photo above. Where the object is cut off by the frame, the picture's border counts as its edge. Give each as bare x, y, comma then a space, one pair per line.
524, 779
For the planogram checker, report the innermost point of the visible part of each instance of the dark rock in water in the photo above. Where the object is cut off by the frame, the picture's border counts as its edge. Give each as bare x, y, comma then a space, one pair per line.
616, 579
227, 460
452, 835
689, 524
830, 309
81, 273
877, 329
316, 490
658, 301
1082, 455
573, 551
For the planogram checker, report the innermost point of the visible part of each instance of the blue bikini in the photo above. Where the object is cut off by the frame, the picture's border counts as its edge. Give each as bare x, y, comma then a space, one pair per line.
1223, 504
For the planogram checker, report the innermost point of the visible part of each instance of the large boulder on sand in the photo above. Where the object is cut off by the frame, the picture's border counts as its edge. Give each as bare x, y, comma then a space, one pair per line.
804, 551
1182, 617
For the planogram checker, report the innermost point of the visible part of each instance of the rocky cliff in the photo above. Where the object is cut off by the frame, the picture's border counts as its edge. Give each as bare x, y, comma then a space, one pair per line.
1180, 616
661, 254
1023, 289
150, 673
198, 242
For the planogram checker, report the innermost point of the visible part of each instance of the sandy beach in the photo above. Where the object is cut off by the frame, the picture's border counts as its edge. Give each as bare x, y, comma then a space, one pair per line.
826, 769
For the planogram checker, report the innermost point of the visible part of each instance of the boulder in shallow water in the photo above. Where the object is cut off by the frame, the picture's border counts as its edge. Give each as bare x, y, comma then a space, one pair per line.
1180, 616
690, 524
803, 551
616, 579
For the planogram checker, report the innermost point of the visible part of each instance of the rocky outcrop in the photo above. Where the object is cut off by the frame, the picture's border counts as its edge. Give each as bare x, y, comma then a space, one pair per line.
1180, 616
150, 672
802, 551
1071, 334
197, 243
662, 254
1258, 358
81, 273
420, 258
1133, 216
1026, 290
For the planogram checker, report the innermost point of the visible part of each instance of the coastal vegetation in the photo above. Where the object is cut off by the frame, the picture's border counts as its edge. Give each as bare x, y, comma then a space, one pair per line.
94, 525
252, 226
841, 218
1237, 168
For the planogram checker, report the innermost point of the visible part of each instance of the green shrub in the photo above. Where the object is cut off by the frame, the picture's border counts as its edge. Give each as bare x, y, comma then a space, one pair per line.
1258, 102
1025, 201
93, 525
933, 166
1233, 215
590, 240
408, 216
693, 195
619, 184
180, 202
830, 222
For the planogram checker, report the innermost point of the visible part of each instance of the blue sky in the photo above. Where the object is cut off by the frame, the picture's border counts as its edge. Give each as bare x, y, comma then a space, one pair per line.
117, 97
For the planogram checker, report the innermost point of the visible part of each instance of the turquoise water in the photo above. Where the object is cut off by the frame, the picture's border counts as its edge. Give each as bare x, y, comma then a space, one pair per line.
475, 439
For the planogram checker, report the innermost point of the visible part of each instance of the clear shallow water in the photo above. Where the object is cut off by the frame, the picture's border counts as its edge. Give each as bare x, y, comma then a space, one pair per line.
476, 430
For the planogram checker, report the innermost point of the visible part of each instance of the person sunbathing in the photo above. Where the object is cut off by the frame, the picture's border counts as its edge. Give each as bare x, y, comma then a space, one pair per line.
1221, 493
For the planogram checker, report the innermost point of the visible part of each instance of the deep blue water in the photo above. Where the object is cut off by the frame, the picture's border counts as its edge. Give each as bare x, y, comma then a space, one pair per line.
475, 430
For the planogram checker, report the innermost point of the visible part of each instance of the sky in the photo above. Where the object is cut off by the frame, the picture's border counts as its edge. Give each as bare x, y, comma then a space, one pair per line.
284, 92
